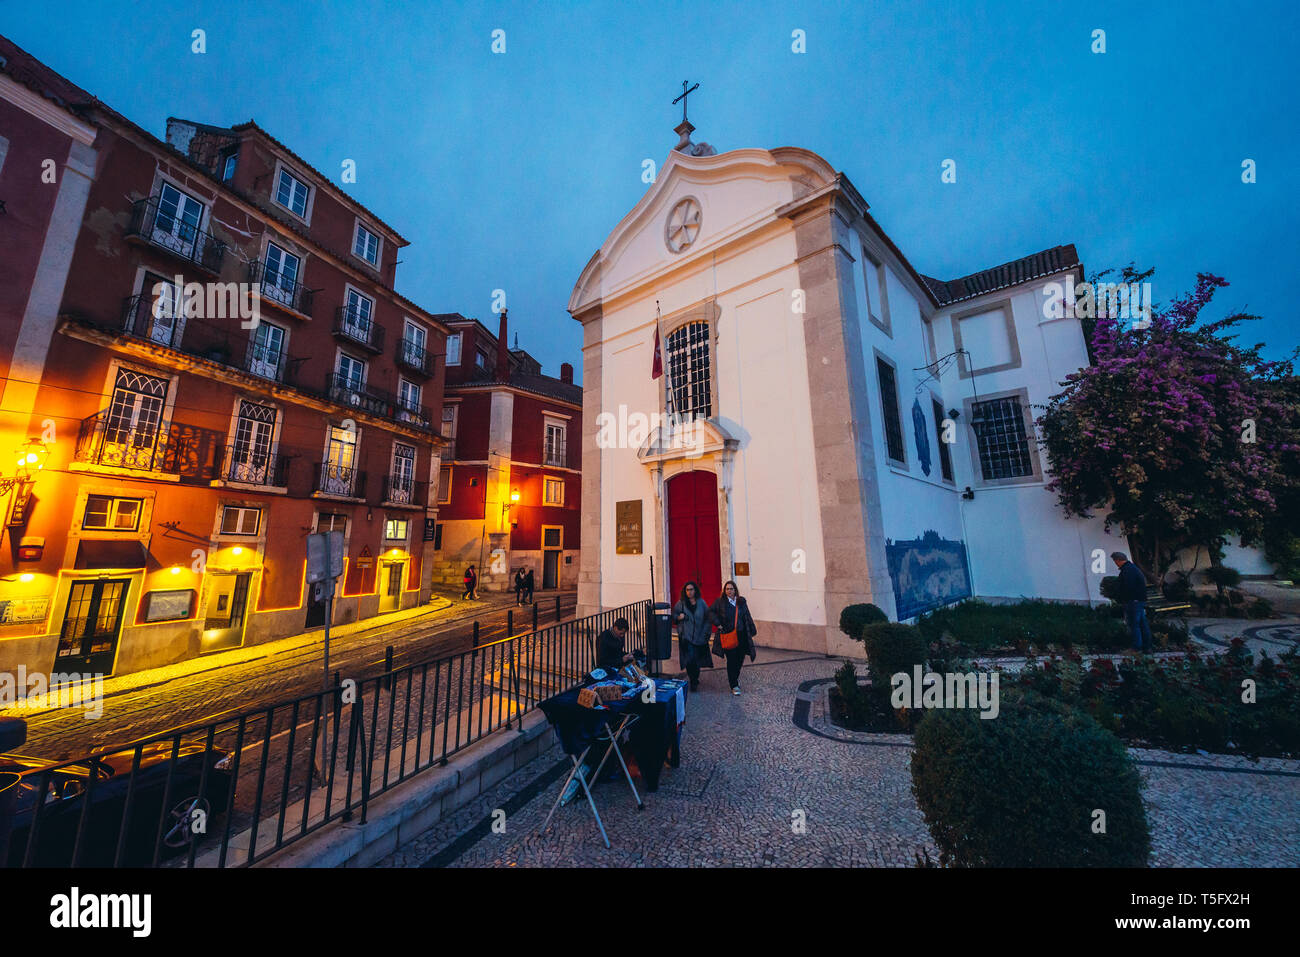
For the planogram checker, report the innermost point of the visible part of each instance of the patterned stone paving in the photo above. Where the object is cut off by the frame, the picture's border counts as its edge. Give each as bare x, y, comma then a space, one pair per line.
750, 773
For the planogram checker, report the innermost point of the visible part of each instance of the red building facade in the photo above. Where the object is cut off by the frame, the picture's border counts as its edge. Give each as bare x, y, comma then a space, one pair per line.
229, 369
510, 489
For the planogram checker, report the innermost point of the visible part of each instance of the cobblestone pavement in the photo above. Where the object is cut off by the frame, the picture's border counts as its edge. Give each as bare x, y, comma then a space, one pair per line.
1272, 636
754, 766
214, 687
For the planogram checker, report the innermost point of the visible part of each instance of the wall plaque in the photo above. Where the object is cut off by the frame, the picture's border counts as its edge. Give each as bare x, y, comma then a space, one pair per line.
168, 605
627, 535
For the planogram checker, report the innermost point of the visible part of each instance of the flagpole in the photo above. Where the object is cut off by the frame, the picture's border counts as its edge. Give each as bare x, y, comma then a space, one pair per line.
663, 492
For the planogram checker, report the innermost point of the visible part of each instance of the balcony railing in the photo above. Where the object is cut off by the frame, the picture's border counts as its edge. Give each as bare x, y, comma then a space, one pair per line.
352, 326
377, 402
169, 232
554, 454
115, 440
252, 467
402, 490
342, 480
224, 341
414, 358
280, 290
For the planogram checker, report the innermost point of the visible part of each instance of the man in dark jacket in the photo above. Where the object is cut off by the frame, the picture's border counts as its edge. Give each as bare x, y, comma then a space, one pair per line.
609, 648
1133, 598
528, 587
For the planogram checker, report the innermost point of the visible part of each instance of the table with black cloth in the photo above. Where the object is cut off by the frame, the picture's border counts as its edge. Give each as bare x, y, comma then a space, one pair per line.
653, 738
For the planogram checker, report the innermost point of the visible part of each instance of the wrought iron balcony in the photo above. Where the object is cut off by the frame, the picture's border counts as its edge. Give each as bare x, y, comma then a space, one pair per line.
166, 231
348, 392
448, 452
332, 479
554, 454
403, 490
414, 358
277, 289
250, 466
224, 341
135, 439
351, 326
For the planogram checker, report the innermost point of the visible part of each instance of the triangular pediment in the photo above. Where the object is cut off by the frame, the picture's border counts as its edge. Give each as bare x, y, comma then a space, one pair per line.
686, 440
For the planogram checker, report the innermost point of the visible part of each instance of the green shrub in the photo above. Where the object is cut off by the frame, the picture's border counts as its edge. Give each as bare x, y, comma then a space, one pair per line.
1221, 577
1020, 790
1110, 588
1259, 608
892, 648
982, 627
855, 617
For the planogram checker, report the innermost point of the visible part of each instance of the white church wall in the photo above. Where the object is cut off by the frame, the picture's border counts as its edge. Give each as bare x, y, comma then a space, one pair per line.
1057, 558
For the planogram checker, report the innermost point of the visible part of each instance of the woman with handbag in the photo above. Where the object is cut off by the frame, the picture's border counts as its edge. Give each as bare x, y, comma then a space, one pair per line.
693, 621
736, 632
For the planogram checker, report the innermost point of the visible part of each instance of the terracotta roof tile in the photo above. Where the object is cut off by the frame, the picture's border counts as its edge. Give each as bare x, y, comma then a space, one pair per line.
1026, 269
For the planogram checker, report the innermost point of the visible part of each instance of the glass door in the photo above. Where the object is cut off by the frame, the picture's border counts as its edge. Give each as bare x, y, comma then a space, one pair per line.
176, 224
92, 623
266, 350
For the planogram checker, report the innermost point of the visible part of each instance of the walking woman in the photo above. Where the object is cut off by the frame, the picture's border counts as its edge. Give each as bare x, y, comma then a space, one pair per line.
736, 629
693, 622
471, 584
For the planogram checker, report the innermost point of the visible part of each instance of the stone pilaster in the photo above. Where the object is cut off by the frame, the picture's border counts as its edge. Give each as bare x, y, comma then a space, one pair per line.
589, 597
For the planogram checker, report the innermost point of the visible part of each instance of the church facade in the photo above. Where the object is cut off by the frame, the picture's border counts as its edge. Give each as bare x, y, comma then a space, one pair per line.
831, 426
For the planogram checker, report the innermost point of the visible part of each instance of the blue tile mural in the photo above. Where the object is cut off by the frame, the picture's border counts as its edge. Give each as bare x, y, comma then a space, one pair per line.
927, 572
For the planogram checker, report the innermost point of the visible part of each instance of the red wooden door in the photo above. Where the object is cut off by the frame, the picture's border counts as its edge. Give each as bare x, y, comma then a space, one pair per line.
693, 550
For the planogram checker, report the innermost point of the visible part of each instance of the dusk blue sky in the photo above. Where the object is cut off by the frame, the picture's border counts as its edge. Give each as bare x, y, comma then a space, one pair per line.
508, 171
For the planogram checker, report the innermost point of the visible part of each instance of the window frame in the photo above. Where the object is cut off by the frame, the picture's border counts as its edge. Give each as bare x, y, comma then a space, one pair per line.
282, 170
456, 338
947, 471
871, 262
552, 481
242, 510
884, 360
114, 502
358, 228
549, 423
1031, 441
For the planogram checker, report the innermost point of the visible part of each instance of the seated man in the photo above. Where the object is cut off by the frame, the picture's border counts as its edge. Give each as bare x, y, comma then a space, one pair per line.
609, 648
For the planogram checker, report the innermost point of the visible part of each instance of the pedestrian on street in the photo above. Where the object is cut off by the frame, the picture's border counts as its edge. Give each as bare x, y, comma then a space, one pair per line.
693, 622
731, 614
1133, 598
528, 586
519, 586
471, 584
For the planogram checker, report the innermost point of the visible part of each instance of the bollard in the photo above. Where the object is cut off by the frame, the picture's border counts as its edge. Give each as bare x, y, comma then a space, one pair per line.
388, 668
510, 623
534, 619
557, 607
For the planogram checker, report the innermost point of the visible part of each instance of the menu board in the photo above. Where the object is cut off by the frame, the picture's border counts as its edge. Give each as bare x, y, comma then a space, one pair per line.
168, 605
627, 536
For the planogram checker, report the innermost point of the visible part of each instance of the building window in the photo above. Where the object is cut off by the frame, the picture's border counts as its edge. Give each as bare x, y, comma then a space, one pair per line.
874, 274
553, 491
250, 454
1000, 435
356, 315
437, 537
331, 522
239, 520
449, 417
177, 222
291, 193
453, 349
365, 244
395, 529
889, 409
945, 453
105, 513
228, 167
352, 372
414, 338
554, 451
689, 376
481, 359
338, 471
444, 485
401, 483
280, 275
408, 395
134, 420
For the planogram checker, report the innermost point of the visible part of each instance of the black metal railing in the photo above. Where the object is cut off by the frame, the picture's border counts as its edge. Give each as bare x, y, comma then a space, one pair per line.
276, 288
250, 466
414, 358
269, 776
226, 340
163, 229
554, 454
399, 490
359, 395
342, 480
352, 326
139, 443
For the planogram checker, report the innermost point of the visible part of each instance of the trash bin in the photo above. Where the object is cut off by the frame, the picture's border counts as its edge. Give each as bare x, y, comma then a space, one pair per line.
659, 642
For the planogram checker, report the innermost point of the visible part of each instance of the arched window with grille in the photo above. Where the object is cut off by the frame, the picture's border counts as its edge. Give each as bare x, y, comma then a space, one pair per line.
689, 374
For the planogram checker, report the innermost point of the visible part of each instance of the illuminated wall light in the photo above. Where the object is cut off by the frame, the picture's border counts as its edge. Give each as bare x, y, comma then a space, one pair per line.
237, 550
26, 577
176, 569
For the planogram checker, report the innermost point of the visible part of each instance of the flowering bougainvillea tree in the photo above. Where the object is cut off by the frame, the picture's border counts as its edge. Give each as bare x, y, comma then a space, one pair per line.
1180, 434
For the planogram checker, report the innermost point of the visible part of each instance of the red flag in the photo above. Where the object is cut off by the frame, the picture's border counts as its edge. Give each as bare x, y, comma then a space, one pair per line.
657, 368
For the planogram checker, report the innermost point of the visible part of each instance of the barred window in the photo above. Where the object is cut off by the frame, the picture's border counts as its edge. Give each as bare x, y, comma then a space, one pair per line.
689, 375
999, 426
889, 408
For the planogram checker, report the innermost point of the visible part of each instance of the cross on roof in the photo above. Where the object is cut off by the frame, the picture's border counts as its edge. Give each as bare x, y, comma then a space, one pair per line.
685, 93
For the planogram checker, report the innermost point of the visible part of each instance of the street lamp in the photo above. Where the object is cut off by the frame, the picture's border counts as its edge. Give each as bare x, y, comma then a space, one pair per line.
31, 459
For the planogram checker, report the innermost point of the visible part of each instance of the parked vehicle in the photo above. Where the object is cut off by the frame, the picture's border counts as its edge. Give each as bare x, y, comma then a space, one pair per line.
192, 804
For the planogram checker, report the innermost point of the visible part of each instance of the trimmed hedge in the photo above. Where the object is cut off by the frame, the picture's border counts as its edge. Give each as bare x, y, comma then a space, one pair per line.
1022, 789
892, 648
981, 627
856, 617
